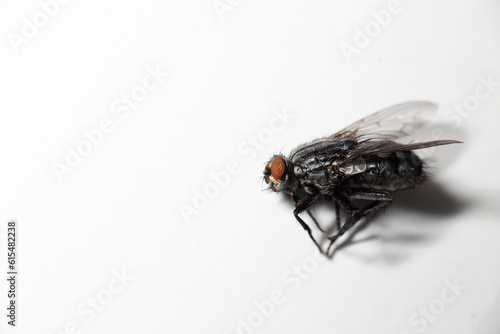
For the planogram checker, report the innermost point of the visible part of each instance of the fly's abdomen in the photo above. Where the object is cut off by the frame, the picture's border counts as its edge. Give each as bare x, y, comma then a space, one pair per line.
390, 171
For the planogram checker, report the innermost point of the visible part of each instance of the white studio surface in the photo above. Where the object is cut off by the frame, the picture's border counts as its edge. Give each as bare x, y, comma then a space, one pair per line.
116, 115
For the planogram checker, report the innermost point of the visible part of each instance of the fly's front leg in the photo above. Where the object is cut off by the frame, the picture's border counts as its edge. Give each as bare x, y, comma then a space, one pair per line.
337, 218
381, 200
297, 202
344, 202
337, 213
315, 221
304, 206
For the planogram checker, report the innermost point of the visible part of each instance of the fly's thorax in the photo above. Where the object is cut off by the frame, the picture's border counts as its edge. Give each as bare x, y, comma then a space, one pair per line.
316, 168
313, 178
322, 153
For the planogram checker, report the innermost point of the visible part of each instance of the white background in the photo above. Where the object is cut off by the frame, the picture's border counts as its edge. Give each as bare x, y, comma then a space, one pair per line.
119, 209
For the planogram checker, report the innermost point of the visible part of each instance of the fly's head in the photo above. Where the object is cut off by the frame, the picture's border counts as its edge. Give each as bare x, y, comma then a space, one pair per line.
278, 173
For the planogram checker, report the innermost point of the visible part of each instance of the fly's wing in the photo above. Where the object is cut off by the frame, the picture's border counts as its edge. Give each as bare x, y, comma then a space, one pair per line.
391, 147
376, 133
391, 123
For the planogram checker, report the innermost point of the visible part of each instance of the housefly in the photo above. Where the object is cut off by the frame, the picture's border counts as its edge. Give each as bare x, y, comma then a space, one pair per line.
363, 162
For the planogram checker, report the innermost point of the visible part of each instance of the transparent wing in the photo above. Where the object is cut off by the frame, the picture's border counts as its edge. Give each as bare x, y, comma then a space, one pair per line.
392, 123
390, 147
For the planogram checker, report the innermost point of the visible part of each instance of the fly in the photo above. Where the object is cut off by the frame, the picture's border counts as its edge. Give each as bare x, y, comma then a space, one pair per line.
363, 161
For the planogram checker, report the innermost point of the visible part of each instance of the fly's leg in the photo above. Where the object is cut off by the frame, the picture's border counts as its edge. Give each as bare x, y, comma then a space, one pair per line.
337, 213
372, 196
343, 202
297, 202
315, 221
381, 200
304, 206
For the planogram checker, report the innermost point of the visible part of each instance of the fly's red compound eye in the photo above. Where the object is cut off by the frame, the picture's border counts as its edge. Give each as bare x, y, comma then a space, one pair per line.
278, 169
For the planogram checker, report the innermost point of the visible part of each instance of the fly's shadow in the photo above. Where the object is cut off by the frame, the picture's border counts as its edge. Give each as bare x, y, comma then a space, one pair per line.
414, 218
